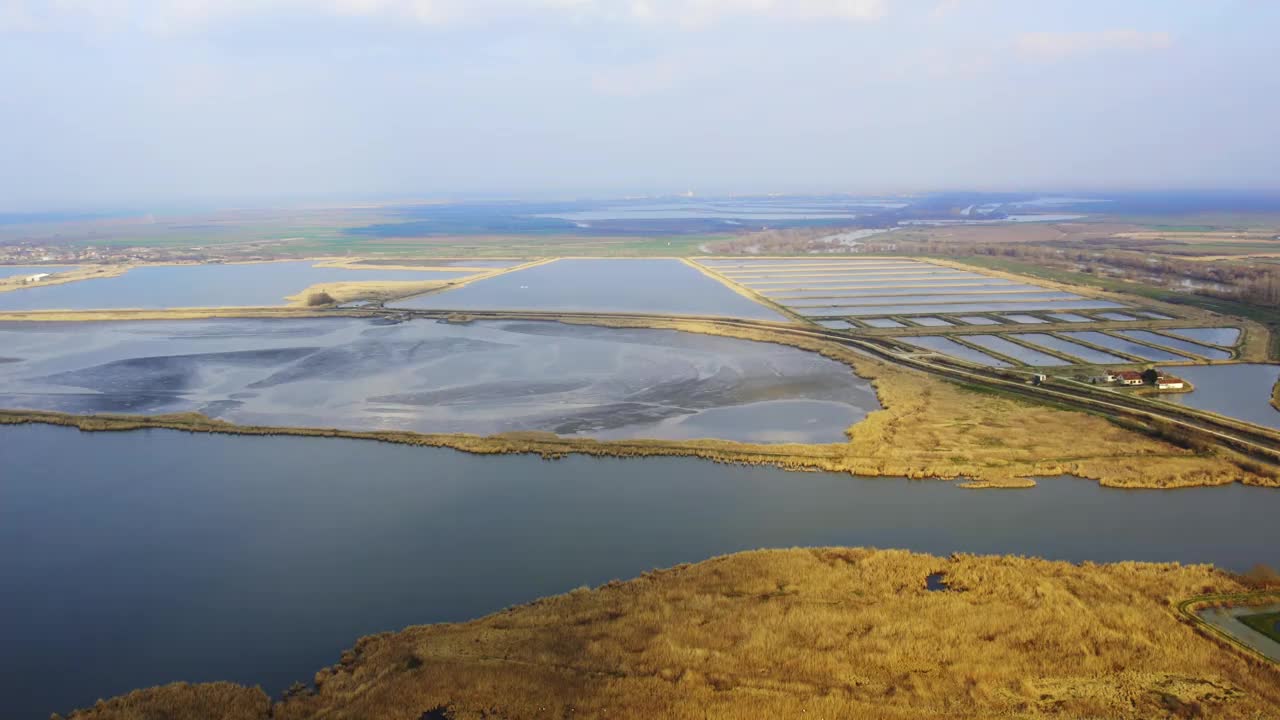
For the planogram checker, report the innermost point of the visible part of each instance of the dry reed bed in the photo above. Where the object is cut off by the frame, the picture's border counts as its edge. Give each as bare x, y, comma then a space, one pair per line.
813, 633
387, 290
368, 290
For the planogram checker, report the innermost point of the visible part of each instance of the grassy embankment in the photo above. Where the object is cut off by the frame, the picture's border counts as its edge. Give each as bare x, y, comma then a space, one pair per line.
1261, 340
86, 272
929, 428
812, 633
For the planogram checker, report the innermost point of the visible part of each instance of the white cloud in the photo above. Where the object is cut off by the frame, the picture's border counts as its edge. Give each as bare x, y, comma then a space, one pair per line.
1055, 45
638, 79
170, 15
14, 17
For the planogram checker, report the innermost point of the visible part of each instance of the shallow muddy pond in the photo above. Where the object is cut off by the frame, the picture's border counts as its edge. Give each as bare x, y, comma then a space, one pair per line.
1176, 344
1240, 391
946, 309
1070, 317
1226, 337
947, 346
1017, 352
134, 559
909, 295
172, 286
434, 377
1125, 346
637, 286
1075, 350
932, 322
890, 289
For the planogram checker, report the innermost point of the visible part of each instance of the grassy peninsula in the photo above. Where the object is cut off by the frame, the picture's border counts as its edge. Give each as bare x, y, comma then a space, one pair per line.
811, 633
84, 272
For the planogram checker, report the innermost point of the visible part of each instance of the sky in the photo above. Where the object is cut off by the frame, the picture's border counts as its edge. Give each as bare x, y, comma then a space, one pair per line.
108, 103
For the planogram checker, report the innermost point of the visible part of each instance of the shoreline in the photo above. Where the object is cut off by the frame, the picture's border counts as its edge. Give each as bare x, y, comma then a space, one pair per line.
792, 457
736, 634
928, 427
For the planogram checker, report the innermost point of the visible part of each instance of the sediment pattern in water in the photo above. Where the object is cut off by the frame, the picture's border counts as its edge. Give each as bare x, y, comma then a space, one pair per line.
483, 378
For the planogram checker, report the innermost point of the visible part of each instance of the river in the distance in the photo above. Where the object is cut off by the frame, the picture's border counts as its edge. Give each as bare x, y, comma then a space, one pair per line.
134, 559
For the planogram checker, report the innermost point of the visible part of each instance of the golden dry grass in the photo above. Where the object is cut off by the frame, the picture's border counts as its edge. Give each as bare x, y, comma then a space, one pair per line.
385, 290
371, 290
815, 633
220, 700
86, 272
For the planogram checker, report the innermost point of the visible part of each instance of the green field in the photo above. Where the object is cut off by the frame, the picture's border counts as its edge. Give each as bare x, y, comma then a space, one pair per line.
1266, 623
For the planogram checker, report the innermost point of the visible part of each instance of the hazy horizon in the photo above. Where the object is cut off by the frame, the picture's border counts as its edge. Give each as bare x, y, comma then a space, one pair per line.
137, 103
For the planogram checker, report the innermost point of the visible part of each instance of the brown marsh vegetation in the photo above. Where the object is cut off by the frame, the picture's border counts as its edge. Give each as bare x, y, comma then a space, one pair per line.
373, 290
812, 633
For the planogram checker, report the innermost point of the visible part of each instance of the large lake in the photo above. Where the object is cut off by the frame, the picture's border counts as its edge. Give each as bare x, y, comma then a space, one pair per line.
660, 286
427, 376
171, 286
132, 559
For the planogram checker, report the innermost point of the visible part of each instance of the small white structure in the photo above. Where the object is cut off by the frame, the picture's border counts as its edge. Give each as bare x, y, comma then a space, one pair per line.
1169, 382
36, 278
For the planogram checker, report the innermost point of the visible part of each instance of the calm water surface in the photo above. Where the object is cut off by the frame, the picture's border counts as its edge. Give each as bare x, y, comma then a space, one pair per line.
1015, 351
908, 295
1176, 344
641, 286
1226, 337
889, 289
1125, 346
930, 309
947, 346
166, 286
1026, 319
978, 320
1239, 391
133, 559
1087, 354
932, 322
